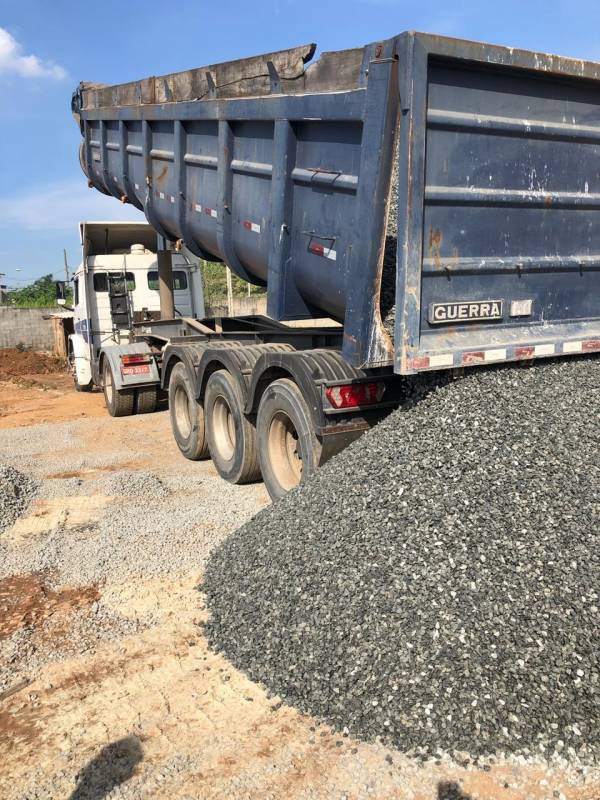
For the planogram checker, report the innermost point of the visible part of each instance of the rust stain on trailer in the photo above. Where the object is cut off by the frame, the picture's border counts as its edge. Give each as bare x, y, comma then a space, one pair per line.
162, 174
435, 245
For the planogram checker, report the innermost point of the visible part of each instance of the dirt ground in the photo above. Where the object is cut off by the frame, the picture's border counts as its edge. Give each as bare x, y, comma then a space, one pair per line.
15, 363
112, 690
39, 398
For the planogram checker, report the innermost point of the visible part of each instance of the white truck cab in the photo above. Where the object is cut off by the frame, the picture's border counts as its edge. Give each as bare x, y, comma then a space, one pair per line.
115, 286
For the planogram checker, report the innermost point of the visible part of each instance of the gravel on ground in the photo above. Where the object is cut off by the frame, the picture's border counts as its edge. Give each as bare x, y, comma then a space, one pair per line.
436, 585
16, 492
103, 661
94, 525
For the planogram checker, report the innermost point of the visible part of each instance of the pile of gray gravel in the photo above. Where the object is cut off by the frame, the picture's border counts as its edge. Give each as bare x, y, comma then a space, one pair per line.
154, 525
16, 491
134, 483
436, 585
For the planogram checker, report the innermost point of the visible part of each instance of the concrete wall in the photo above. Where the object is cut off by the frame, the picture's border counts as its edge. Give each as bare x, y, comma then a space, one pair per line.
242, 306
26, 326
257, 304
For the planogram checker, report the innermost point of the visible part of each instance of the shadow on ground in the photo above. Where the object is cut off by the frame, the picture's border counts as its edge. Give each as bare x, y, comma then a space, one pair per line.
448, 790
113, 765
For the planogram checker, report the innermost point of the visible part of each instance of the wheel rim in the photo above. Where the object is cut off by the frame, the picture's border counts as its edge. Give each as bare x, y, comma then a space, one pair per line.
223, 428
182, 412
108, 385
284, 451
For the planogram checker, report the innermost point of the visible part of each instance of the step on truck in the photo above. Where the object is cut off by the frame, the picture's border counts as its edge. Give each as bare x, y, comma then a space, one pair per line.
439, 198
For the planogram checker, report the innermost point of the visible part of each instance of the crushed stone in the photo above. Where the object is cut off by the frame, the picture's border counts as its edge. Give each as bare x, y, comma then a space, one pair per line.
435, 586
132, 483
16, 491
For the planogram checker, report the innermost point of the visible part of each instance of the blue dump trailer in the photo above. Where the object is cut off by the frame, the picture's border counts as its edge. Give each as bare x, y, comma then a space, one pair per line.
439, 198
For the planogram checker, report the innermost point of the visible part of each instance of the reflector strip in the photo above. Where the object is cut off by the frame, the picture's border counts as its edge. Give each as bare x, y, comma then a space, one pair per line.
210, 212
591, 345
473, 357
251, 226
326, 252
572, 347
476, 357
495, 355
421, 362
198, 207
442, 360
524, 352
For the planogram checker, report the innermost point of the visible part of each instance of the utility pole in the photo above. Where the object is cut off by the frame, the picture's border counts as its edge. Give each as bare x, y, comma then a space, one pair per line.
66, 266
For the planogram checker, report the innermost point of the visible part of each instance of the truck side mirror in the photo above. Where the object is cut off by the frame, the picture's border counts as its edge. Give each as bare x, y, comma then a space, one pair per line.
61, 292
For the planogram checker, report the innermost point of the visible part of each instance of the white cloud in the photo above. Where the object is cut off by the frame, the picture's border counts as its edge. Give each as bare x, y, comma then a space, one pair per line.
61, 207
13, 60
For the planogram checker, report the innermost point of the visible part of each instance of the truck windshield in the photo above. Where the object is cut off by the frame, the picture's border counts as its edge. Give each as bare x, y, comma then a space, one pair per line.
179, 280
101, 280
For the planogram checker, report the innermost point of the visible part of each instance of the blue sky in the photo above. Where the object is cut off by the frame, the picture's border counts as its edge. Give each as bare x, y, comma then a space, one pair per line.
48, 46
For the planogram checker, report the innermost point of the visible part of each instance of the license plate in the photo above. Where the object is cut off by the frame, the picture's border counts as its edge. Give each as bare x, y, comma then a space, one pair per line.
465, 311
138, 369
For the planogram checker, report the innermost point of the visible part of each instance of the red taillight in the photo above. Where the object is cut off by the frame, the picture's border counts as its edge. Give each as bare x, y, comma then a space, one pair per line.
135, 358
351, 395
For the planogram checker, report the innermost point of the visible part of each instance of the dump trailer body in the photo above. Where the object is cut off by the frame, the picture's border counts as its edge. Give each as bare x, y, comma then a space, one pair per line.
439, 197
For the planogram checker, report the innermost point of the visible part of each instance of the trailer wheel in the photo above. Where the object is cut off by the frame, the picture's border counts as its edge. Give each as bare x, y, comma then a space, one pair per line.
187, 415
288, 447
119, 402
146, 399
230, 434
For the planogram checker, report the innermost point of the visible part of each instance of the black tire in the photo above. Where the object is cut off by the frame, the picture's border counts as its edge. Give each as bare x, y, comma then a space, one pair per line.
187, 415
146, 399
83, 387
288, 448
119, 402
230, 434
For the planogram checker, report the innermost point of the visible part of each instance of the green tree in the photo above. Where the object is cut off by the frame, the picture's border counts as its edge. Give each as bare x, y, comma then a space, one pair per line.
39, 294
215, 283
